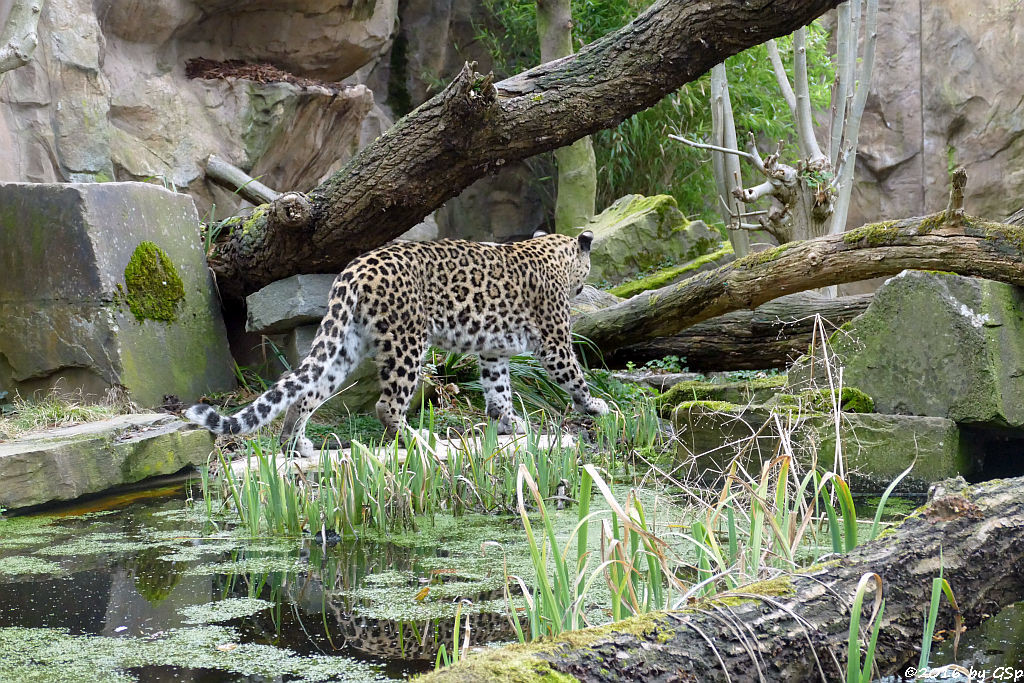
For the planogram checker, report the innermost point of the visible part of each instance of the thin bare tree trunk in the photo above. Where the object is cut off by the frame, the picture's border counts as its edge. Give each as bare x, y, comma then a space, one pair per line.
474, 127
577, 165
18, 38
724, 127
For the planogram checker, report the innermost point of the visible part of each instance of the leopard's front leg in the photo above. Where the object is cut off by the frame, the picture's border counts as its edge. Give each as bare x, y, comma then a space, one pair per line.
496, 382
558, 359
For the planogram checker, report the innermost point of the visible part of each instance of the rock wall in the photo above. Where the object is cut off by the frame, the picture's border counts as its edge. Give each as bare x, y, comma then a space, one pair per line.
106, 95
946, 91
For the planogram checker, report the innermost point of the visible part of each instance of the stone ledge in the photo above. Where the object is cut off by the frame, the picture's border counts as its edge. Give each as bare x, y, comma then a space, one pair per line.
68, 462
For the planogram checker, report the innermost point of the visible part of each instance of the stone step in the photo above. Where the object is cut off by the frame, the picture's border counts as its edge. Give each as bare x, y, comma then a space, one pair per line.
65, 463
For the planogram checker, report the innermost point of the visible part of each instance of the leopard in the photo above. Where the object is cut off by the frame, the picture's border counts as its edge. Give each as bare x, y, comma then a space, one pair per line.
394, 302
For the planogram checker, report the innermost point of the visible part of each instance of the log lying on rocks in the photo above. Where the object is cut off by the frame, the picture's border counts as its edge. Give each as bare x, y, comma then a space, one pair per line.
795, 628
770, 336
947, 241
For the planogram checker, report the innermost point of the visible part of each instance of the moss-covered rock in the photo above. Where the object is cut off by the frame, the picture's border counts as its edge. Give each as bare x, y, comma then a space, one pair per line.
63, 464
106, 285
876, 448
638, 234
850, 400
744, 393
935, 344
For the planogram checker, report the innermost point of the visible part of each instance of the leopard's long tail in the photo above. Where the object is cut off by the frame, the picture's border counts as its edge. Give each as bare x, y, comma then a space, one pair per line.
332, 355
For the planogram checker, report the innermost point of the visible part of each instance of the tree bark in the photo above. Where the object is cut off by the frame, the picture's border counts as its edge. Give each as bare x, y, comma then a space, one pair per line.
770, 336
18, 37
975, 536
474, 127
960, 244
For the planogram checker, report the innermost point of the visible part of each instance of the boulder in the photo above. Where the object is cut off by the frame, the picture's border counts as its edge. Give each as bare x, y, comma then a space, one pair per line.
286, 304
65, 463
742, 392
876, 448
637, 234
938, 345
106, 285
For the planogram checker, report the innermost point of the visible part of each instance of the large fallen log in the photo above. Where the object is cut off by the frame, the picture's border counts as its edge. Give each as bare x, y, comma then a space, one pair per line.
798, 631
770, 336
474, 127
947, 241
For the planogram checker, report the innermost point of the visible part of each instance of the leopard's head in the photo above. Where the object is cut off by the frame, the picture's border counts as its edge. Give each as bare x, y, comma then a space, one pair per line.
572, 257
579, 267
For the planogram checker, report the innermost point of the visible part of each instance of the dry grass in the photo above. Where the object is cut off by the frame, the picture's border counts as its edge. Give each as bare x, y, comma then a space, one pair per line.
59, 409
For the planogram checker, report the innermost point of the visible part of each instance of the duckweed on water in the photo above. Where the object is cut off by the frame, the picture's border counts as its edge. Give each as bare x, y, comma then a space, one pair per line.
194, 553
56, 656
223, 610
19, 564
249, 565
91, 545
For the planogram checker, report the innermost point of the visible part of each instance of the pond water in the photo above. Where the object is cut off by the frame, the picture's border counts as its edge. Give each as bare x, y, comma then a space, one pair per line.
140, 588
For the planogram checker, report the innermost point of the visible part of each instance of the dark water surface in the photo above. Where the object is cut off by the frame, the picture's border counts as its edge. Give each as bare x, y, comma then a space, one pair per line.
139, 587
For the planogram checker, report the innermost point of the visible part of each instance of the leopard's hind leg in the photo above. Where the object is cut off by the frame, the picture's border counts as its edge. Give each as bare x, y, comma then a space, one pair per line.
398, 362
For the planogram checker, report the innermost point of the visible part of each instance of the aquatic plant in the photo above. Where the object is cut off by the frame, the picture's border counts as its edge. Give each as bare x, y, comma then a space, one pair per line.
386, 486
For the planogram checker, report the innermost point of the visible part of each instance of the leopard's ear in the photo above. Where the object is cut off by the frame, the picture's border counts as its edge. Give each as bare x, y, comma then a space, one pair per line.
539, 233
586, 238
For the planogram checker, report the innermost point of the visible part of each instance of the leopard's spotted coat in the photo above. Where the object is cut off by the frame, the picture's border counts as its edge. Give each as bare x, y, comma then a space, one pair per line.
494, 300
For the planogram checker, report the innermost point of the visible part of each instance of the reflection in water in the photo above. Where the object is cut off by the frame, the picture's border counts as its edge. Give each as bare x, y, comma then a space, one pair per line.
999, 642
135, 573
155, 578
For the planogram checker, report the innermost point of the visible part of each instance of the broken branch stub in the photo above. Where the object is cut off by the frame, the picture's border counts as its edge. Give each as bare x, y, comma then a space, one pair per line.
292, 210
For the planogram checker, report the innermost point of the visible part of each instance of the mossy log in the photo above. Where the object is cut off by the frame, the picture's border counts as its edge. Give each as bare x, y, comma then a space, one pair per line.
475, 126
947, 242
795, 628
770, 336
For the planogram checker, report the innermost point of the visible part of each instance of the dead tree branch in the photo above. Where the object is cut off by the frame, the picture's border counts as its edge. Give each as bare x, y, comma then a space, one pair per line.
18, 38
475, 127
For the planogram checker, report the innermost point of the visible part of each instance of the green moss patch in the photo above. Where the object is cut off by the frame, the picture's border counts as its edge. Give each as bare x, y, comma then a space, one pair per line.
766, 256
851, 400
874, 234
710, 407
153, 289
757, 390
669, 275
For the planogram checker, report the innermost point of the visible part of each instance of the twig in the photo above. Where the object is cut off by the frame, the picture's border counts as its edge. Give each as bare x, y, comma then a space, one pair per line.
714, 148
